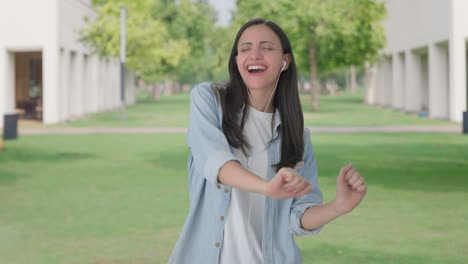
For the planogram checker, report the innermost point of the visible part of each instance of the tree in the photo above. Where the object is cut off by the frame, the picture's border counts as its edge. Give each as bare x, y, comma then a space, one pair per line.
326, 34
151, 52
194, 22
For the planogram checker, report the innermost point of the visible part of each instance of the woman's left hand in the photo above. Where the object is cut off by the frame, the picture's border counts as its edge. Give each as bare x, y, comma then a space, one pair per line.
350, 189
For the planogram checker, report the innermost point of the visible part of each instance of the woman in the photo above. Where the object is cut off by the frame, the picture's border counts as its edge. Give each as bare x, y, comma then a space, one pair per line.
252, 171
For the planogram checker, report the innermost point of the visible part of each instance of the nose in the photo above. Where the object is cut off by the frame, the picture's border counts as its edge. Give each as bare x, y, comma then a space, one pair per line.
256, 53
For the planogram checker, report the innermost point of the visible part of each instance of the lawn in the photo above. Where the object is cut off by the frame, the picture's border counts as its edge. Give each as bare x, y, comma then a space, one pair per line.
172, 111
123, 199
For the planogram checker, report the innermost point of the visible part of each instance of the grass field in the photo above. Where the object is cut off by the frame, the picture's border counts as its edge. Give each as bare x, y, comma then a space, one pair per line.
123, 199
172, 111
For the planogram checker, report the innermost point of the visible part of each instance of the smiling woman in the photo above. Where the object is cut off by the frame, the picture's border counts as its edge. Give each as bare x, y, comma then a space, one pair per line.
252, 169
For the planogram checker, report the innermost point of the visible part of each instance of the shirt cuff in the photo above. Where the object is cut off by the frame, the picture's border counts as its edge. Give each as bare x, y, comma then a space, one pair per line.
214, 164
295, 220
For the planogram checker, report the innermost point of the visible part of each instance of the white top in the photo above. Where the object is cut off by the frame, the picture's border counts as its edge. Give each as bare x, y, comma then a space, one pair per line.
244, 222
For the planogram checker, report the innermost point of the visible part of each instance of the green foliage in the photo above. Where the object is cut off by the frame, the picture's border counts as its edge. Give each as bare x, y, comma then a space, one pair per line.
344, 32
165, 39
194, 22
150, 49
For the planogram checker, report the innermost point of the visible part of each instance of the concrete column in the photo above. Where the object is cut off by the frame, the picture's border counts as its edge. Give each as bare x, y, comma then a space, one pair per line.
3, 82
438, 81
7, 83
64, 106
413, 86
78, 86
424, 81
388, 82
102, 86
85, 85
457, 60
51, 84
72, 88
94, 82
398, 68
370, 83
380, 82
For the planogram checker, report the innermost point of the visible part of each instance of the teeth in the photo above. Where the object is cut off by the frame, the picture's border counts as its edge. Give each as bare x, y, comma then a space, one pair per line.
256, 67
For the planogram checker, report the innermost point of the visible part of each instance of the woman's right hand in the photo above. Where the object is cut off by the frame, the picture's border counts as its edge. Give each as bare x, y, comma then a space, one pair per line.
287, 183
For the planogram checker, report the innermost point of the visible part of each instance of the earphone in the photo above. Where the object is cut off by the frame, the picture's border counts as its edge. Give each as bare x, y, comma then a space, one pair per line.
279, 74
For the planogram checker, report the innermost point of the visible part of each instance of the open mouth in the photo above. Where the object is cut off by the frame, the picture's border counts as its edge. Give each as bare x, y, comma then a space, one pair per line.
256, 68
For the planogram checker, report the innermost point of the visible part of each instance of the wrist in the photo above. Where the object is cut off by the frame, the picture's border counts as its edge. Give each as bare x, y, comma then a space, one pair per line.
262, 187
337, 208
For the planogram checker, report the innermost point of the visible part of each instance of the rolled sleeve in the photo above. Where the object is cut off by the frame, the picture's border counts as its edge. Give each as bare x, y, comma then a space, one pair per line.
207, 142
313, 198
214, 164
295, 220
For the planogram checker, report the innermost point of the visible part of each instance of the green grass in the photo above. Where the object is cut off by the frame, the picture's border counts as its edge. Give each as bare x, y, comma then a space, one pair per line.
123, 199
172, 111
349, 110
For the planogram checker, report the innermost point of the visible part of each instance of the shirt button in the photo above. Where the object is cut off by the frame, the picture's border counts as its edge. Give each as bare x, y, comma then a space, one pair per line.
226, 190
217, 244
221, 218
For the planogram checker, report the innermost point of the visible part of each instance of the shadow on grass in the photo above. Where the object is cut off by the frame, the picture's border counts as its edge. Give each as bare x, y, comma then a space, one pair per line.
327, 253
14, 154
15, 157
9, 176
174, 160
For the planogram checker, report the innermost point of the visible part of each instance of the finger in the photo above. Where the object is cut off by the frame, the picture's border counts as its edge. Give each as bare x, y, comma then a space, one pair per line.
350, 173
358, 183
294, 184
301, 188
343, 171
362, 188
303, 192
354, 178
287, 175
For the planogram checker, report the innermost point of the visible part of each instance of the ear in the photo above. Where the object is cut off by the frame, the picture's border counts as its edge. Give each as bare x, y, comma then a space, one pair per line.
287, 60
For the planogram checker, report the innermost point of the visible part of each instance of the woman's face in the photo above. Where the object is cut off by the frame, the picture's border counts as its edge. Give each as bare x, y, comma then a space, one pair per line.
260, 57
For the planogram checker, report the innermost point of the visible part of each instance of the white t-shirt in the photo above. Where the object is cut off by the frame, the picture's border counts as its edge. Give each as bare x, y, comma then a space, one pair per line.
244, 222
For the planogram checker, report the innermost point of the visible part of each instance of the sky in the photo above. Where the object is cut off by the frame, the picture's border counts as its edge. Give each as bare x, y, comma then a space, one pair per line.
224, 8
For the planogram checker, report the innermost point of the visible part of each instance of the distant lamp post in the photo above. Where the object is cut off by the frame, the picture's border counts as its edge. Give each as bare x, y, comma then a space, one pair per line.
123, 13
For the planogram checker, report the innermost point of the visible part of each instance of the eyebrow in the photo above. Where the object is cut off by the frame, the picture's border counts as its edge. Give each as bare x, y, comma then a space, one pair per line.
261, 42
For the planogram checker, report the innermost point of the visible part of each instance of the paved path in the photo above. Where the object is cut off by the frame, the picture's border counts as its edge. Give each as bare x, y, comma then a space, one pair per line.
147, 130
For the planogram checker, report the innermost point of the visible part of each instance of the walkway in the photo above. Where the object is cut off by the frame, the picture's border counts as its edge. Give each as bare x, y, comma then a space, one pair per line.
147, 130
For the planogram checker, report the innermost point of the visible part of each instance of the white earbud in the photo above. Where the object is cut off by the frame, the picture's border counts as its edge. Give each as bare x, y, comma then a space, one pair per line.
284, 65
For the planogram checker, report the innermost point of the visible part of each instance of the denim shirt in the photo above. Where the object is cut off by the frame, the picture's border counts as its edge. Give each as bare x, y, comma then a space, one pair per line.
201, 237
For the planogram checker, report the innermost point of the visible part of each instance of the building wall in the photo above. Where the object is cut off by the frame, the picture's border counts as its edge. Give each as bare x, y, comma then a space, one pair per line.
415, 23
25, 25
427, 41
75, 80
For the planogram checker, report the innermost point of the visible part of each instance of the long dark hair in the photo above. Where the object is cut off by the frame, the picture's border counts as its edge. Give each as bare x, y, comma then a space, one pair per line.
286, 100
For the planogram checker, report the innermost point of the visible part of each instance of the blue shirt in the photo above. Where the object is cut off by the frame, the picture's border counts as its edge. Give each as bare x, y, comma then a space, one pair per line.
202, 235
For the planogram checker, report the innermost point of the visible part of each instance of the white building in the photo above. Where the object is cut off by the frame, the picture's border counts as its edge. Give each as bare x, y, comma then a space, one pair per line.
45, 72
424, 65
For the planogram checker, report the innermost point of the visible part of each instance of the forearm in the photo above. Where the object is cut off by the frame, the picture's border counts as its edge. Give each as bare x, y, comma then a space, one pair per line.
317, 216
234, 175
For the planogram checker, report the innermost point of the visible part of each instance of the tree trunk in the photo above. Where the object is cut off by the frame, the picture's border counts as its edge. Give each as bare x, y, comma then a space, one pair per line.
156, 92
353, 80
348, 81
315, 89
168, 87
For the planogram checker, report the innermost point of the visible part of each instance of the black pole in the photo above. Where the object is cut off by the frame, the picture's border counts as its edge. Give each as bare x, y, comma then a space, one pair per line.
465, 122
